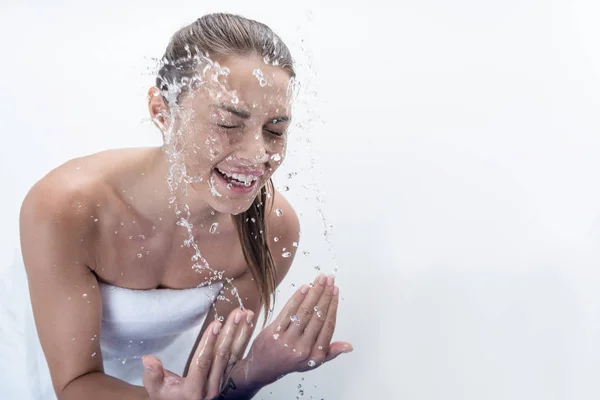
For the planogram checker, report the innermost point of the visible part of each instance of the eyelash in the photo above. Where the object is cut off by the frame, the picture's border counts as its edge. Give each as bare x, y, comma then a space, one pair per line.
236, 126
275, 133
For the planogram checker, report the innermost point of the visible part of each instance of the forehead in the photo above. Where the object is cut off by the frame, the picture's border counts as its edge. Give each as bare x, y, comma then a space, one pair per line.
248, 81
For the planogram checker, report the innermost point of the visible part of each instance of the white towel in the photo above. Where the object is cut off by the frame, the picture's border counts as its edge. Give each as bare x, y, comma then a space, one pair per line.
162, 322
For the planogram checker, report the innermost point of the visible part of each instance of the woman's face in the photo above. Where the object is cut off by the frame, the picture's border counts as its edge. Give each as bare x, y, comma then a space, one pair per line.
234, 130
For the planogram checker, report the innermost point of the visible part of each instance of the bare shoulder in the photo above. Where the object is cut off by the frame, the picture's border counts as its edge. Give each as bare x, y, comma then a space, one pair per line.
283, 227
76, 186
57, 210
62, 192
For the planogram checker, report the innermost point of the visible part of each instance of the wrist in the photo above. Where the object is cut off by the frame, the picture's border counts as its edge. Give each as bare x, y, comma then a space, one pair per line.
249, 374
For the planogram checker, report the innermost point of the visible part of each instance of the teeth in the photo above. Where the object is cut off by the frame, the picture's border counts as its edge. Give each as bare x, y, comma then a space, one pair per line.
240, 177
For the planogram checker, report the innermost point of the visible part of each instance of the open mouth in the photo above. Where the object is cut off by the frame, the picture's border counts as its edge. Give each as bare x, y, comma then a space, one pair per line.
240, 181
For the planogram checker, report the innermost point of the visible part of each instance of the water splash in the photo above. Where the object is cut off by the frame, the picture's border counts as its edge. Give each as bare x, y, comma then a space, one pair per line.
178, 178
258, 74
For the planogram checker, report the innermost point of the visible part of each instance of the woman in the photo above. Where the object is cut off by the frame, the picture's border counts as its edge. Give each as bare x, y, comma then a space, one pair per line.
127, 250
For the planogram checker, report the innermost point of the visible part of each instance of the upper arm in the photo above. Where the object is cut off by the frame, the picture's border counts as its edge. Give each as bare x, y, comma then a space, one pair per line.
284, 235
55, 241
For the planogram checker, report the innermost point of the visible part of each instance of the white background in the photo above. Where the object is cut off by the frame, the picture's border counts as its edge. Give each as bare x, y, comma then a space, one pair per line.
457, 145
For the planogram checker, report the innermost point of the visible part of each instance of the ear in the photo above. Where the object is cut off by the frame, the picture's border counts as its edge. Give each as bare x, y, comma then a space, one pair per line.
159, 111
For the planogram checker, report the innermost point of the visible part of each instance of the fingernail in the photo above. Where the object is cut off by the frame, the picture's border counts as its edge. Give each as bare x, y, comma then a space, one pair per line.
348, 349
322, 280
149, 368
238, 317
304, 289
336, 291
249, 317
216, 329
330, 280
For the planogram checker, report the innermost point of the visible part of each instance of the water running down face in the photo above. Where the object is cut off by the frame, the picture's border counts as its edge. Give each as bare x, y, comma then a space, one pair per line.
231, 130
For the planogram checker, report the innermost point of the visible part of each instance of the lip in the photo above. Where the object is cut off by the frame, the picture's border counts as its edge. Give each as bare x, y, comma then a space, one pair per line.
242, 171
235, 188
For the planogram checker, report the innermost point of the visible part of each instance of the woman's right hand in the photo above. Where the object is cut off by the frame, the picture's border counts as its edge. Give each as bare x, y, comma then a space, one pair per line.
300, 338
219, 348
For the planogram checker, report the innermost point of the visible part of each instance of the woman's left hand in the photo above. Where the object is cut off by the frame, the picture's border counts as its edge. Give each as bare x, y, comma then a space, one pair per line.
300, 338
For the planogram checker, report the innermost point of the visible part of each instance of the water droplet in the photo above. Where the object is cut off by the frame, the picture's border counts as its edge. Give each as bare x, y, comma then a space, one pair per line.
261, 78
319, 314
84, 295
213, 227
95, 219
320, 347
276, 336
94, 354
295, 318
276, 157
287, 254
295, 244
276, 239
311, 363
279, 212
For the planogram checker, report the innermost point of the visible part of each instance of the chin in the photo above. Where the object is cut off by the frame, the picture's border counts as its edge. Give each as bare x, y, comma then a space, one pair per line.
232, 207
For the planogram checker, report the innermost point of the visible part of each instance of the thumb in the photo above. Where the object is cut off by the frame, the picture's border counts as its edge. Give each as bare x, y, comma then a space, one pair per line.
153, 374
337, 348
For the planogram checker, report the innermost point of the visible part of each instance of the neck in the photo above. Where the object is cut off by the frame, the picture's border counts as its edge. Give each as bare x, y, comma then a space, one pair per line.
150, 194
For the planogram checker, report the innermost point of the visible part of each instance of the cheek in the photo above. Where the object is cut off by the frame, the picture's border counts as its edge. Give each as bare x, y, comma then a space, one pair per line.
278, 148
209, 146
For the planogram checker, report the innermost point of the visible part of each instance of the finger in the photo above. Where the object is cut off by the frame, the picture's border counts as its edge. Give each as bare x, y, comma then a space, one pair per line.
307, 308
319, 314
222, 352
243, 337
196, 379
337, 348
290, 308
153, 375
324, 338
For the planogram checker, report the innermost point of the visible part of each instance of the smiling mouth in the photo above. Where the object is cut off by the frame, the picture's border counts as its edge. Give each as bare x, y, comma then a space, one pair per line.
237, 179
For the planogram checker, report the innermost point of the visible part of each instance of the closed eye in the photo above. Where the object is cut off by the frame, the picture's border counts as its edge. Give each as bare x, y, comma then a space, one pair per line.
274, 132
227, 126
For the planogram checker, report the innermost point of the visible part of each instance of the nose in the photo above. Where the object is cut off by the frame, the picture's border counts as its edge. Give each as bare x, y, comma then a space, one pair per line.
253, 147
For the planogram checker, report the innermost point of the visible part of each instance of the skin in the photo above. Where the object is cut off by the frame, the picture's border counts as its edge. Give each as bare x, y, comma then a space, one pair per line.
87, 220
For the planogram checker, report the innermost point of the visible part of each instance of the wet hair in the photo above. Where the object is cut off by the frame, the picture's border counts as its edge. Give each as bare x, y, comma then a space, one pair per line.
215, 35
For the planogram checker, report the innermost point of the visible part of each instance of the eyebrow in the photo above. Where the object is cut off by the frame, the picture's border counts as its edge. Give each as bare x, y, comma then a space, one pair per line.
277, 120
235, 111
246, 114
